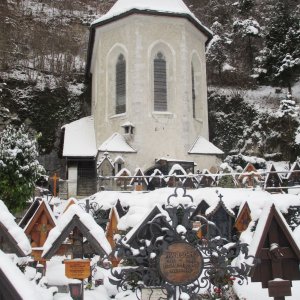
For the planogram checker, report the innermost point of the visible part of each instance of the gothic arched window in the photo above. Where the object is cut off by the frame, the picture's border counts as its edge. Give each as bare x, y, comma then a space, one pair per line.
121, 85
160, 83
193, 93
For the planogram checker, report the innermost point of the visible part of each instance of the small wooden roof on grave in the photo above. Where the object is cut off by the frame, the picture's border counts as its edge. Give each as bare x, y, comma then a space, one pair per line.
157, 178
200, 209
220, 204
294, 167
273, 229
75, 216
70, 202
248, 169
206, 178
190, 181
132, 236
120, 209
43, 210
273, 179
30, 212
137, 177
243, 217
13, 283
12, 234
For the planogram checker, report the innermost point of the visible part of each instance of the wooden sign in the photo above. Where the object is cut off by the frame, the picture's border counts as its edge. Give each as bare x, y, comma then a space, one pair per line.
77, 268
153, 294
180, 263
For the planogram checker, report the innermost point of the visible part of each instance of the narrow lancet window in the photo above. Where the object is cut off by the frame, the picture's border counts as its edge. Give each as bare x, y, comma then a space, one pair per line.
121, 85
160, 83
193, 93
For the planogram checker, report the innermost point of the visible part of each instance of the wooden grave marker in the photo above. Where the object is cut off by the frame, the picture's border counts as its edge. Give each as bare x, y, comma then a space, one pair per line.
278, 253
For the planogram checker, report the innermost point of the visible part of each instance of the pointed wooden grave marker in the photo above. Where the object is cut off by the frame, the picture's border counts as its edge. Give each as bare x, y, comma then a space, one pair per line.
243, 219
278, 253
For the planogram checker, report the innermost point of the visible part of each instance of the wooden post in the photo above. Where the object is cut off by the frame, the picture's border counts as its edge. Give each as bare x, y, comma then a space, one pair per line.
55, 178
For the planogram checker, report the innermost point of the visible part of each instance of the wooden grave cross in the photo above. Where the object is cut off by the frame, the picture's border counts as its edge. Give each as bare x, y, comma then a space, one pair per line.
55, 178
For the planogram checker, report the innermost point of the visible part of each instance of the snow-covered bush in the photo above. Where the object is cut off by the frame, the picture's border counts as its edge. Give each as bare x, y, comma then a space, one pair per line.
19, 167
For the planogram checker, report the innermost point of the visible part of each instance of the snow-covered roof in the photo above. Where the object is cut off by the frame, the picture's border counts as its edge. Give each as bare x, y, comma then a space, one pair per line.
155, 173
203, 146
104, 157
138, 172
25, 289
79, 140
43, 205
263, 219
17, 234
86, 219
119, 159
140, 203
127, 123
175, 7
116, 143
124, 8
153, 214
295, 166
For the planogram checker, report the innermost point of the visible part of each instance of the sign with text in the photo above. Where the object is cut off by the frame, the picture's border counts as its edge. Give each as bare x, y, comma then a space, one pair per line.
77, 268
153, 294
180, 263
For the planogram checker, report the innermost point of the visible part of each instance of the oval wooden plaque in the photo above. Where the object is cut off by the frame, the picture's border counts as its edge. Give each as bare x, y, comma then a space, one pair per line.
180, 264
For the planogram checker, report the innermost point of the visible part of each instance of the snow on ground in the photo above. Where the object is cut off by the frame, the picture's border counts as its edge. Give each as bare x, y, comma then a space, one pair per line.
25, 288
254, 291
263, 98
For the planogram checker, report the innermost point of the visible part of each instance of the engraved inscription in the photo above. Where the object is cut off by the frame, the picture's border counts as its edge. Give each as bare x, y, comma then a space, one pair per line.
180, 264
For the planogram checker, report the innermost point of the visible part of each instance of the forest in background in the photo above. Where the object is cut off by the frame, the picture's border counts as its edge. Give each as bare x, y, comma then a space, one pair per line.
43, 46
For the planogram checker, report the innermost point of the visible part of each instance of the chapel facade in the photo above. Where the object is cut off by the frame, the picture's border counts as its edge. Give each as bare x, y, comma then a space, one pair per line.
146, 64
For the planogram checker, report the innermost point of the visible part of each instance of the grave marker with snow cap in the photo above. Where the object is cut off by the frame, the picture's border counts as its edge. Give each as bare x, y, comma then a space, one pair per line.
278, 252
81, 224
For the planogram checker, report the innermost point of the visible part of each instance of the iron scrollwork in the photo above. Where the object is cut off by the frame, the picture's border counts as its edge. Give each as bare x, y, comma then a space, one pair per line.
141, 256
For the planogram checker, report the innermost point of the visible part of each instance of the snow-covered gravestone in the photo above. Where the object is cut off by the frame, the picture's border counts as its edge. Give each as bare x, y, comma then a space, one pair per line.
278, 252
79, 224
12, 237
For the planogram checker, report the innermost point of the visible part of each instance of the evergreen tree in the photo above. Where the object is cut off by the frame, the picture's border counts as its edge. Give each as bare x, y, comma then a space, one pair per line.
19, 168
247, 30
217, 50
245, 7
288, 107
279, 61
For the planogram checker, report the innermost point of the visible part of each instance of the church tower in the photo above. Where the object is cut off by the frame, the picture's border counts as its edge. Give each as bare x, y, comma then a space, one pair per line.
146, 63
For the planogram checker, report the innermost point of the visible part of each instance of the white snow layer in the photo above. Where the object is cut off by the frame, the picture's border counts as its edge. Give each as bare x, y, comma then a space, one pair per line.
203, 146
141, 203
8, 221
80, 138
26, 289
162, 6
95, 230
116, 143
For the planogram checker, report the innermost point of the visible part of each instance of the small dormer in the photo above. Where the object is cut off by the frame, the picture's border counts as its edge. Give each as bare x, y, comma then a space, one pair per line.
119, 164
128, 128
